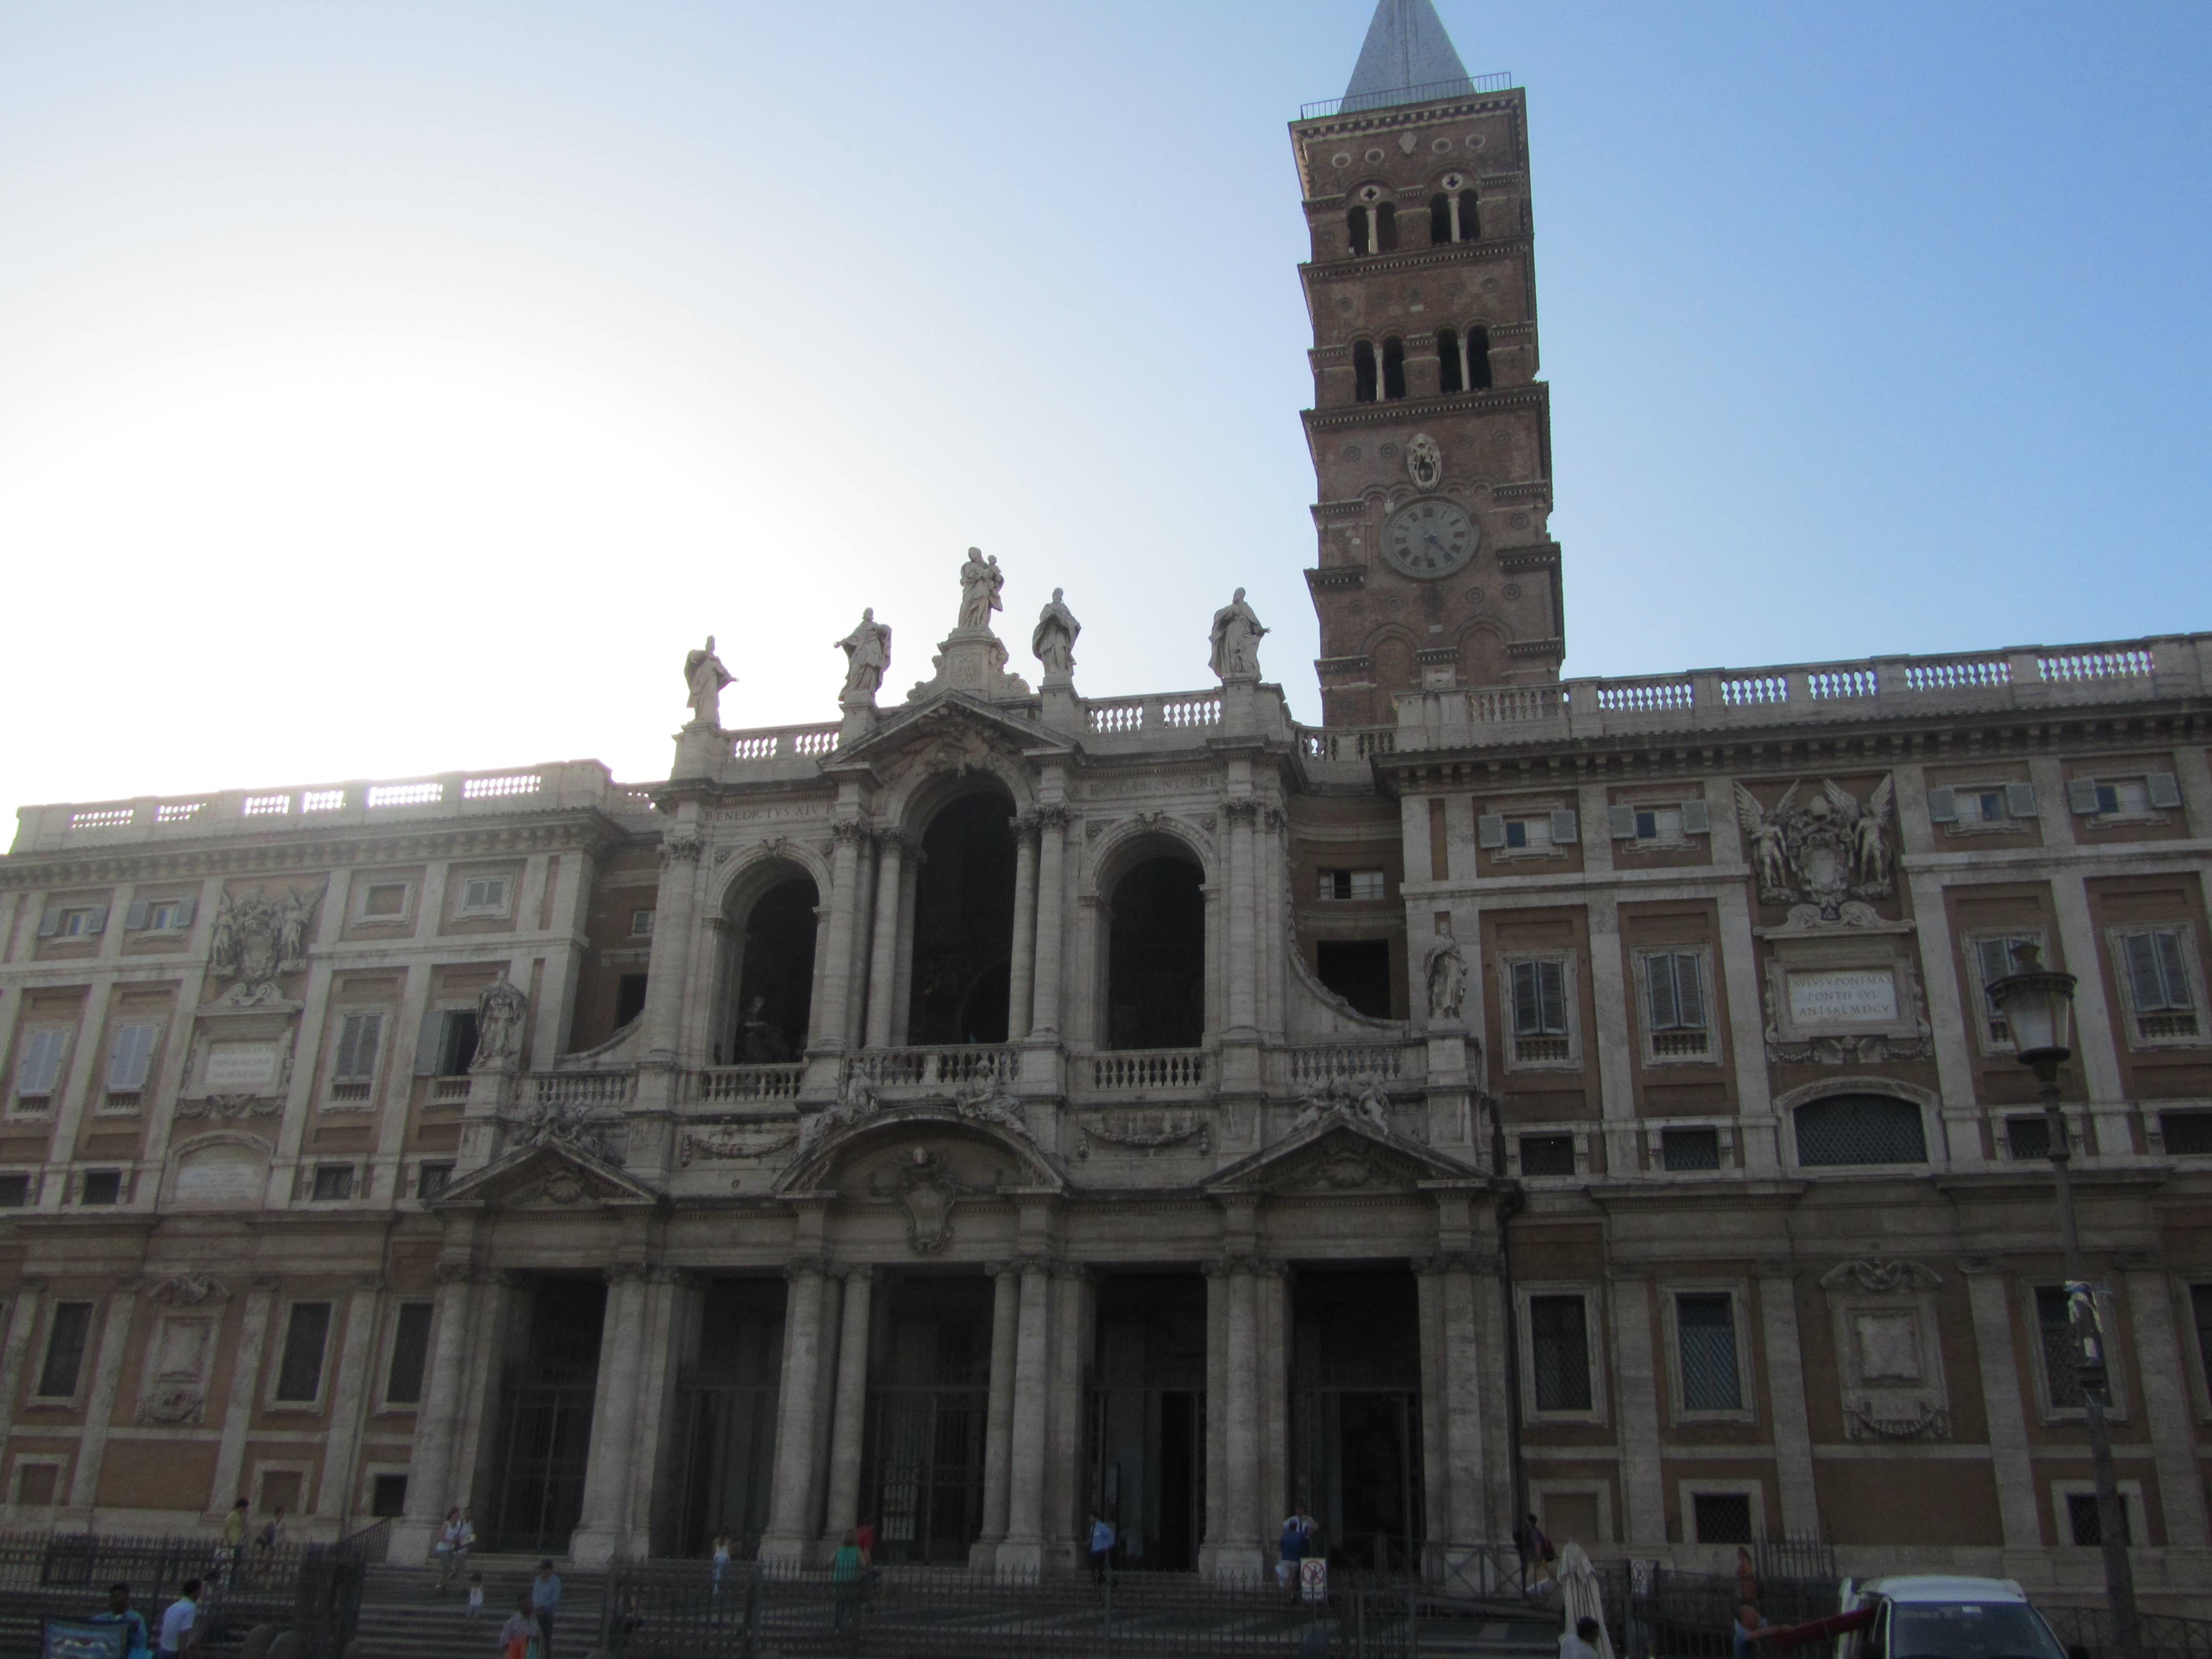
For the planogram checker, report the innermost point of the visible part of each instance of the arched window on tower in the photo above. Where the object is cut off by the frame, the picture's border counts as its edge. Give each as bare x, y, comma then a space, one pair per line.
1448, 362
1355, 228
1386, 228
1478, 357
1453, 218
1394, 368
1363, 372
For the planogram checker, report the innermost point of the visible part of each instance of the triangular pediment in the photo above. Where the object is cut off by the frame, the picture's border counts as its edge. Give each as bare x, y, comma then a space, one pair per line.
958, 721
550, 1176
1340, 1153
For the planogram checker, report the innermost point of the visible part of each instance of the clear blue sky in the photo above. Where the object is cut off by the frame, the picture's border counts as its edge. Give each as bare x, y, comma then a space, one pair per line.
391, 388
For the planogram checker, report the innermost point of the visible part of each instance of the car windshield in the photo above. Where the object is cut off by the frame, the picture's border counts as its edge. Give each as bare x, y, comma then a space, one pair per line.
1970, 1630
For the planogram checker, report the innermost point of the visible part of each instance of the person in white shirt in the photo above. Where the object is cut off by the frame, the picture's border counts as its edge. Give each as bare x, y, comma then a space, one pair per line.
176, 1638
1581, 1642
476, 1599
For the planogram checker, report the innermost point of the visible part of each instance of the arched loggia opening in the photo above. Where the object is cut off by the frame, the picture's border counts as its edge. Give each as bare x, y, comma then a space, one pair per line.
1156, 957
770, 980
963, 924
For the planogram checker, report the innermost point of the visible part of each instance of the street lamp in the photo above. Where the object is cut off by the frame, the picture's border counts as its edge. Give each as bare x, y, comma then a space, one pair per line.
2037, 1005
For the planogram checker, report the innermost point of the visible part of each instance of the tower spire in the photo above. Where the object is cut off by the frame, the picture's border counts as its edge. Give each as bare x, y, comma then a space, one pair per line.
1406, 47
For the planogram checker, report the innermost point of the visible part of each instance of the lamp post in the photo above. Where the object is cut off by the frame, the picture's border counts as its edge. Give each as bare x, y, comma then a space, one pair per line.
2037, 1005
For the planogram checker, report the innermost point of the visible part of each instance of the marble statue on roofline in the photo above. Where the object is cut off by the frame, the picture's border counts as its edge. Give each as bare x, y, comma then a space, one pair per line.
868, 650
1053, 643
981, 579
704, 677
1236, 636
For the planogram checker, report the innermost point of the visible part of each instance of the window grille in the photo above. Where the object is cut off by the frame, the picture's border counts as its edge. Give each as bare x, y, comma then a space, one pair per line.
2086, 1523
15, 1191
1722, 1517
2187, 1134
1560, 1348
2028, 1136
1547, 1155
1861, 1129
1704, 1327
101, 1187
2054, 1321
300, 1373
431, 1179
1689, 1150
334, 1181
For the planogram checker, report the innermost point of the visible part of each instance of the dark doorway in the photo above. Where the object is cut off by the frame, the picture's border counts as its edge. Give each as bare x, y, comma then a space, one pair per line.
776, 989
630, 999
1156, 957
730, 1400
930, 1377
1356, 969
1356, 1404
1147, 1428
545, 1418
963, 924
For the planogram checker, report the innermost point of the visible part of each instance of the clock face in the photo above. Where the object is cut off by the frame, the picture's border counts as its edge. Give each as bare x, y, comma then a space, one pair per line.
1430, 537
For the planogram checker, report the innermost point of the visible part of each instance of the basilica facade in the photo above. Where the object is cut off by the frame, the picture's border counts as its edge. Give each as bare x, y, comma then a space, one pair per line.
1001, 1105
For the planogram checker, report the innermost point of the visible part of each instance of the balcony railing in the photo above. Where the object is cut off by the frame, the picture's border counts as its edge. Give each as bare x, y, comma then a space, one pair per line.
1427, 92
588, 1089
1161, 714
1141, 1071
936, 1068
783, 743
730, 1086
1313, 1064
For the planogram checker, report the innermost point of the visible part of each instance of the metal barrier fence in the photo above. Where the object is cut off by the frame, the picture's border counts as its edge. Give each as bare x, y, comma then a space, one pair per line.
1656, 1612
313, 1588
680, 1610
2089, 1631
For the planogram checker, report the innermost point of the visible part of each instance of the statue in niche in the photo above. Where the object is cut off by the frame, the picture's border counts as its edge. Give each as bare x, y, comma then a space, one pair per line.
1236, 636
501, 1006
759, 1039
1445, 967
868, 650
704, 677
981, 579
1053, 644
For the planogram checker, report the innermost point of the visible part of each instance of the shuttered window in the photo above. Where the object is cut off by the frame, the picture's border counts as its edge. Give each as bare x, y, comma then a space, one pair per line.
1540, 999
2158, 978
358, 1037
1675, 990
41, 1065
131, 1057
1993, 960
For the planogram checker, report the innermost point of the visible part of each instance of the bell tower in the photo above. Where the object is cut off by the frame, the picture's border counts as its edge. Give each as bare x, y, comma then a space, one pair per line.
1430, 433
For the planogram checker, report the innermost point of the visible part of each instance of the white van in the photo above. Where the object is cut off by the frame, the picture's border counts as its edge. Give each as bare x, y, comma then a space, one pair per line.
1940, 1617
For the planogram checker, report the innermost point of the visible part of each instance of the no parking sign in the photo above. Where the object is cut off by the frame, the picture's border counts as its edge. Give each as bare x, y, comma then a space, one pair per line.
1313, 1579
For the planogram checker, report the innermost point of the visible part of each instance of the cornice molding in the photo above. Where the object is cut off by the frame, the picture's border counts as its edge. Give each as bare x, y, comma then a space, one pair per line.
1536, 394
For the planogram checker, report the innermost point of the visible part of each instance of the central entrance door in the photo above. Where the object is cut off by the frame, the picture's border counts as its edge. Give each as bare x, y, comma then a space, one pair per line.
1148, 1450
1356, 1404
729, 1395
545, 1419
929, 1394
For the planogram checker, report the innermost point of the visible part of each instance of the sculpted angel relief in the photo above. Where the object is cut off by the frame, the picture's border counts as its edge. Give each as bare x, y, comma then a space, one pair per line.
1827, 855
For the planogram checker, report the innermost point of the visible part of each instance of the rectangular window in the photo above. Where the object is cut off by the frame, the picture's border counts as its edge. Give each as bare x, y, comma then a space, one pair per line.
131, 1056
101, 1187
169, 915
1540, 999
334, 1181
641, 924
2156, 964
2187, 1134
1993, 960
1704, 1326
299, 1373
431, 1179
448, 1044
2054, 1319
2086, 1523
1674, 1003
66, 1336
483, 895
630, 999
1559, 1346
2028, 1138
1688, 1151
1547, 1155
410, 1353
2200, 1303
358, 1037
385, 901
388, 1496
41, 1065
1722, 1517
1528, 835
1351, 884
15, 1191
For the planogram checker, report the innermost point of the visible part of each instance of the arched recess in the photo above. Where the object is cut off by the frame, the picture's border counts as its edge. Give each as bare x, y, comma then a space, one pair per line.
962, 935
765, 981
1482, 654
1394, 666
1155, 982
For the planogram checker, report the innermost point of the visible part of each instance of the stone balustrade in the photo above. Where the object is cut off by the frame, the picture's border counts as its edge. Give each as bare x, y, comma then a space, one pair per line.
1149, 1070
727, 1085
564, 785
939, 1068
603, 1090
783, 743
1311, 1065
2025, 677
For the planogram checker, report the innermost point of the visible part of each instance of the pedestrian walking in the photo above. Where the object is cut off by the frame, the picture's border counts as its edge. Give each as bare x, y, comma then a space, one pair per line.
846, 1571
865, 1536
1290, 1552
721, 1559
1102, 1548
266, 1540
476, 1599
1745, 1634
545, 1600
523, 1635
136, 1642
234, 1535
176, 1638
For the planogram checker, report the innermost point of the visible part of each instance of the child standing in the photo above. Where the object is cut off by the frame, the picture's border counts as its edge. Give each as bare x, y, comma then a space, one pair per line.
476, 1599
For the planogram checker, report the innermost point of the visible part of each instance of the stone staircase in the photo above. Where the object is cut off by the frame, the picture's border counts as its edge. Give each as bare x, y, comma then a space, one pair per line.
402, 1617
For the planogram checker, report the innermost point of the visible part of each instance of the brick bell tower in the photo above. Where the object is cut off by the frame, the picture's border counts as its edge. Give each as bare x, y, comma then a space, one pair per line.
1431, 435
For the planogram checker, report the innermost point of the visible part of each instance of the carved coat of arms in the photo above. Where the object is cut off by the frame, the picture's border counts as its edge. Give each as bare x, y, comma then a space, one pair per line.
1824, 858
928, 1191
258, 938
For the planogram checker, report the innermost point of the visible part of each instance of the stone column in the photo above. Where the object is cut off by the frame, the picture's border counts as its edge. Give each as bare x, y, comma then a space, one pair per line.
1464, 1471
2094, 1050
849, 1422
100, 1403
864, 932
1051, 839
245, 1385
999, 1415
1024, 1550
1636, 1392
667, 970
608, 1467
1075, 1319
429, 1492
1239, 1555
1994, 1354
1610, 990
792, 1505
831, 1013
1244, 945
1217, 1387
350, 1391
1785, 1392
882, 959
1021, 974
2164, 1381
1435, 1398
22, 1322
